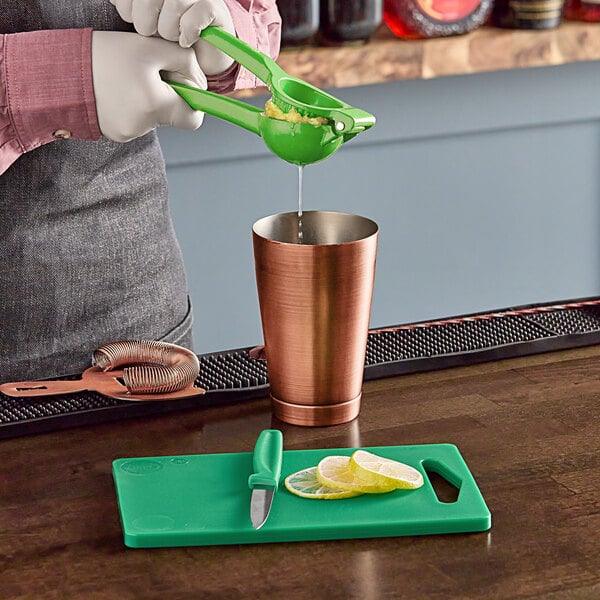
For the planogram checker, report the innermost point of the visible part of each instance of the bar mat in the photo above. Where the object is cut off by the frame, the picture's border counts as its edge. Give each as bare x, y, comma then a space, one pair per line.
234, 376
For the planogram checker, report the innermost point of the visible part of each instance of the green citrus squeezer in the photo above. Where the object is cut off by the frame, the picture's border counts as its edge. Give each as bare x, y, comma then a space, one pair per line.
298, 143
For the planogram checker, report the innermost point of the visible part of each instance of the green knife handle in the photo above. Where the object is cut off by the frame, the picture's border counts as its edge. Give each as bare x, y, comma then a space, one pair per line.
267, 460
263, 66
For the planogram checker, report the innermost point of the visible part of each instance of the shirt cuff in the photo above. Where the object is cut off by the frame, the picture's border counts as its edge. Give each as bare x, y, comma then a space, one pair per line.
260, 27
49, 90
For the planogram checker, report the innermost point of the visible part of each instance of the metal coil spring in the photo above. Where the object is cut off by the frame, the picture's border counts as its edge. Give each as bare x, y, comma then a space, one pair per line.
151, 367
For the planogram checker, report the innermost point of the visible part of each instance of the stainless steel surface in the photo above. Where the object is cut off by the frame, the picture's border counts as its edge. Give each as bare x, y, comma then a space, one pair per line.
260, 506
319, 228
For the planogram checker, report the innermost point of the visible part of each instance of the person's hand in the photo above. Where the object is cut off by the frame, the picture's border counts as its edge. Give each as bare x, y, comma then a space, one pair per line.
181, 21
131, 97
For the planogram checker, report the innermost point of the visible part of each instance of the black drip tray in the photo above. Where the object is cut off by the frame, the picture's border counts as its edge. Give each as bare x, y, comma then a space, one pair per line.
569, 321
234, 376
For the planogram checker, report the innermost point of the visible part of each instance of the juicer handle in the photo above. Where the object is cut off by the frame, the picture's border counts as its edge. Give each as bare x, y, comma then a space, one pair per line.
350, 121
229, 109
263, 66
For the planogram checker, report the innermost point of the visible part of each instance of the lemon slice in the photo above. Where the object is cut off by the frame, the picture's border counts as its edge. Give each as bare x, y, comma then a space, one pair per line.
334, 472
377, 471
306, 485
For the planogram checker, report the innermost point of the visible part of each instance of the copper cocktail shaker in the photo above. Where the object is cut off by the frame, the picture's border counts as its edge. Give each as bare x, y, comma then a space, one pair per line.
315, 291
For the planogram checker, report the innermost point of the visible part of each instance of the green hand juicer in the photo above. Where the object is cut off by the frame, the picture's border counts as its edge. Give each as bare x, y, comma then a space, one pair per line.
298, 143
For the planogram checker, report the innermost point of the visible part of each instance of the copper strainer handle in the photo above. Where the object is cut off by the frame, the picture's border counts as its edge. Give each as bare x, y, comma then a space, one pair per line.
154, 367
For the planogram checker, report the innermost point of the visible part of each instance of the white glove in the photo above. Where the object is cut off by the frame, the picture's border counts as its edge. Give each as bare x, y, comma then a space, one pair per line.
131, 97
181, 21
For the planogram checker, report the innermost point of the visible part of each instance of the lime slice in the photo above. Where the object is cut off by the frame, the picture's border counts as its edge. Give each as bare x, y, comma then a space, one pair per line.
378, 471
334, 472
306, 485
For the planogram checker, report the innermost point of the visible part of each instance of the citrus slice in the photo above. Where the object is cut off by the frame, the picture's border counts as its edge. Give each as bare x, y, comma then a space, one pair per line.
377, 471
306, 485
334, 472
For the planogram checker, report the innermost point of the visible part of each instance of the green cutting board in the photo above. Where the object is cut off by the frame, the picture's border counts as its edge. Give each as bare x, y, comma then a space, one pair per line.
204, 499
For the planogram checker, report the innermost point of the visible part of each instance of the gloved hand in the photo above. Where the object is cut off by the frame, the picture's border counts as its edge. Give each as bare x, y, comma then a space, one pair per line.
181, 21
131, 97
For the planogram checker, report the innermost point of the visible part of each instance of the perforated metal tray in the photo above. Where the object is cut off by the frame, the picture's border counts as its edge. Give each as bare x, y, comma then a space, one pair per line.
234, 376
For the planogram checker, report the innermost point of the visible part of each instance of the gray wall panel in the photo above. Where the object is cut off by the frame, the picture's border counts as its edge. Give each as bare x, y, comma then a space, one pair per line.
485, 189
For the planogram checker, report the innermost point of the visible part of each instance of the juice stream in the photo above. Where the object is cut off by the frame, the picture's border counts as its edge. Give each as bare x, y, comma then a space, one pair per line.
300, 232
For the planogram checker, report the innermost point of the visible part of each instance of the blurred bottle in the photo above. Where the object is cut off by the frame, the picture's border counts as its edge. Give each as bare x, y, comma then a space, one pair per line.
413, 19
578, 10
527, 14
300, 21
350, 20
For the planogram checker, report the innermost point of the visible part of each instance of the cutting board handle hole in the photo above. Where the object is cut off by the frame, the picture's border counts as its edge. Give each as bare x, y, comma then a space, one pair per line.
445, 490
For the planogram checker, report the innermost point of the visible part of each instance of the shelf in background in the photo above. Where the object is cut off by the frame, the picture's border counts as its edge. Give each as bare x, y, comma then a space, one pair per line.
387, 58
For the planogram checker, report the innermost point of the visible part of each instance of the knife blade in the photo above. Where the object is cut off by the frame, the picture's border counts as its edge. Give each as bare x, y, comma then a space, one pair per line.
266, 463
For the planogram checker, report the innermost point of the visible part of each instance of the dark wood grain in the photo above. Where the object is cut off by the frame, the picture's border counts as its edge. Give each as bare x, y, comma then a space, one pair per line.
528, 428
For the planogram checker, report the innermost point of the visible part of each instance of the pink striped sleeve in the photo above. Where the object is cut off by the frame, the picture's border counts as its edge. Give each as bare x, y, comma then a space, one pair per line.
10, 147
258, 23
46, 90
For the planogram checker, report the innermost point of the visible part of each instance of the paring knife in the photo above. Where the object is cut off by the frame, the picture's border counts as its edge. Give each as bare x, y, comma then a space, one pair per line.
263, 482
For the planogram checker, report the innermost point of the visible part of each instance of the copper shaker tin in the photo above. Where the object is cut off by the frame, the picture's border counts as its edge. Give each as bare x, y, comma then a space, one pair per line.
315, 293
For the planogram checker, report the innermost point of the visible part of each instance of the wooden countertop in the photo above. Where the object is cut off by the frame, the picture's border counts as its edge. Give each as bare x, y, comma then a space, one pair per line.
387, 58
529, 429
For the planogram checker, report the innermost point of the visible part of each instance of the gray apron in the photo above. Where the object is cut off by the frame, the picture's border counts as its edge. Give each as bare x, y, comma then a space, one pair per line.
88, 253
